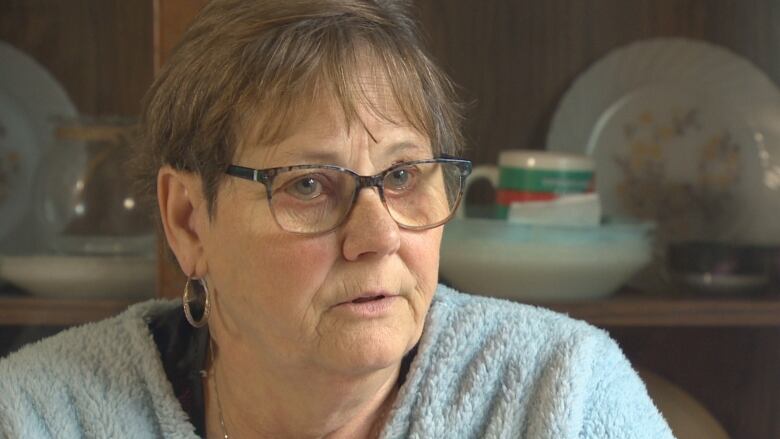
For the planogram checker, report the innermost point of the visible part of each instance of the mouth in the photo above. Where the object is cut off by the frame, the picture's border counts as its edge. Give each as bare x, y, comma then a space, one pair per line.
370, 305
371, 297
365, 299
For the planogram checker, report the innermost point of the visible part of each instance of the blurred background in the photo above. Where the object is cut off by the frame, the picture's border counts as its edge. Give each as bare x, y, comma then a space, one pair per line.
73, 247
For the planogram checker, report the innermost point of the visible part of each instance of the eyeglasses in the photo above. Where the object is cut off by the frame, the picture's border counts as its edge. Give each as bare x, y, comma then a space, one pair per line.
309, 199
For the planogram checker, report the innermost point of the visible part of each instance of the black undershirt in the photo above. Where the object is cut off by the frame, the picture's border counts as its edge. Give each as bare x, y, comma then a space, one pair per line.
183, 353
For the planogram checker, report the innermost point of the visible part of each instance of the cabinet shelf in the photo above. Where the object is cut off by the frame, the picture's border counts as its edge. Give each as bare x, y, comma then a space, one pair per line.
625, 309
629, 308
18, 311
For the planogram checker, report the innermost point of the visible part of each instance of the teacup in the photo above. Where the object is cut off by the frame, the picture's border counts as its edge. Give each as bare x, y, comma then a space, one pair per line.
532, 175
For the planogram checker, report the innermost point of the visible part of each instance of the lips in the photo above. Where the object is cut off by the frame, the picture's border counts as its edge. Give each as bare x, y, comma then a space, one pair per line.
369, 306
369, 297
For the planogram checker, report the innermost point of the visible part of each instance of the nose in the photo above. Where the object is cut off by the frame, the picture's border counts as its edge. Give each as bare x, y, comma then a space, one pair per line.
370, 230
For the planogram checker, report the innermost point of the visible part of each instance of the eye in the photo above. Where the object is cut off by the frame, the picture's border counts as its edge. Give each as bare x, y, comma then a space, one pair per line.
305, 188
401, 178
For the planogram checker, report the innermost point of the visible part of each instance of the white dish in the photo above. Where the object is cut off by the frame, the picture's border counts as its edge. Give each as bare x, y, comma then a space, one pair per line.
30, 100
687, 417
684, 134
542, 263
723, 284
87, 277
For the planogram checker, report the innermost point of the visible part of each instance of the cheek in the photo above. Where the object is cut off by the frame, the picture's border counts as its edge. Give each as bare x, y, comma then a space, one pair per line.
259, 267
283, 270
420, 251
297, 265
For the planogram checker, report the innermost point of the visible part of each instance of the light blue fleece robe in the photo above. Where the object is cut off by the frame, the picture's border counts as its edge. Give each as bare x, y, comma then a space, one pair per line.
485, 368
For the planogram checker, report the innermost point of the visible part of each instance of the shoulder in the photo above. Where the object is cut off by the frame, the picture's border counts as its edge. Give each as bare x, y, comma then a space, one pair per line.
469, 335
515, 325
543, 372
83, 346
530, 341
81, 377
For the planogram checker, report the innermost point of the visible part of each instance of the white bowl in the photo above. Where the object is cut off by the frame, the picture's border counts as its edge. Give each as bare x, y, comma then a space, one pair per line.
542, 263
84, 277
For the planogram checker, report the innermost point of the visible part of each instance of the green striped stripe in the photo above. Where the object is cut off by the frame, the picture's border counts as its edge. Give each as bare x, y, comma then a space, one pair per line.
543, 180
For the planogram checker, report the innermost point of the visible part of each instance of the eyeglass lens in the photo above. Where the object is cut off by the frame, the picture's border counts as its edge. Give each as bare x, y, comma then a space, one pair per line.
318, 199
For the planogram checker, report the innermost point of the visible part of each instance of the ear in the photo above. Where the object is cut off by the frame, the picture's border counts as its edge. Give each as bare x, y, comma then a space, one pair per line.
184, 217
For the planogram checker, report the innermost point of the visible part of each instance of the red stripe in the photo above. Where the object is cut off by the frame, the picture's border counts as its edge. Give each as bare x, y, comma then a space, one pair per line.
506, 197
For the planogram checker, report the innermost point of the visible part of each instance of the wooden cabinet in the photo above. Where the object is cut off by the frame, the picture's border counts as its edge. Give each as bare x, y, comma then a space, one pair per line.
104, 53
512, 60
99, 50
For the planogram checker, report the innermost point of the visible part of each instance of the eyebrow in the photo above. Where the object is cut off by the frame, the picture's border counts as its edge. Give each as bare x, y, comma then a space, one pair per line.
332, 157
408, 146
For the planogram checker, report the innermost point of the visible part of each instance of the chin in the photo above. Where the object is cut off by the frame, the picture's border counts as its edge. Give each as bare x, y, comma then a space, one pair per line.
374, 349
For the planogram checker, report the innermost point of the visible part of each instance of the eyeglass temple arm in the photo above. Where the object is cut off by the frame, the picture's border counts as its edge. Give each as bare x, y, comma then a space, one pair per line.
247, 173
465, 166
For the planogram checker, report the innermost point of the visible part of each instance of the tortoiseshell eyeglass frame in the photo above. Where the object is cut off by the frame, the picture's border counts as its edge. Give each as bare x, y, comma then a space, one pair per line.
267, 176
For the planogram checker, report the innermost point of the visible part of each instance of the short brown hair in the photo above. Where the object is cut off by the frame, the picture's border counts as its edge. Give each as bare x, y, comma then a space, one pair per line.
261, 60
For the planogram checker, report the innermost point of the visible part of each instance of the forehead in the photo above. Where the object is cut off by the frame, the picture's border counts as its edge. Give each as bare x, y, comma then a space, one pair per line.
321, 130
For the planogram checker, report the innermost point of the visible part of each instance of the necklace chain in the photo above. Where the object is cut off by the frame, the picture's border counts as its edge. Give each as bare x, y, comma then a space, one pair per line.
213, 375
216, 391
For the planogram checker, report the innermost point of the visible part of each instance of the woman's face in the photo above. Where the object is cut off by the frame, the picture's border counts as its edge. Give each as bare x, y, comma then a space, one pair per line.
290, 296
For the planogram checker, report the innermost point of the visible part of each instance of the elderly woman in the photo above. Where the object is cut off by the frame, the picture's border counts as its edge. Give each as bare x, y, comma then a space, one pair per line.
301, 153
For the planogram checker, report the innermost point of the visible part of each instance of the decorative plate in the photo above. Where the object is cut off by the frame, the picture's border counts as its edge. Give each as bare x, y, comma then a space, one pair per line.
684, 133
29, 99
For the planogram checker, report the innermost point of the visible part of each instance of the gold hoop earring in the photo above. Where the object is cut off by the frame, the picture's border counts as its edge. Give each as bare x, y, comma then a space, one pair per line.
186, 302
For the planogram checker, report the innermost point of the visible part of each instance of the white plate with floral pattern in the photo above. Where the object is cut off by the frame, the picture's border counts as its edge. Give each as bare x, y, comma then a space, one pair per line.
685, 134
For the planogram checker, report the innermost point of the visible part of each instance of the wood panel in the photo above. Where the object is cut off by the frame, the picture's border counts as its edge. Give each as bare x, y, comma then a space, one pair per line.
101, 53
171, 20
631, 309
514, 59
104, 53
731, 371
14, 337
99, 50
56, 312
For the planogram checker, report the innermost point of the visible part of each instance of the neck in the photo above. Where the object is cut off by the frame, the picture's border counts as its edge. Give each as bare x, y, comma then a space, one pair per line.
286, 403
